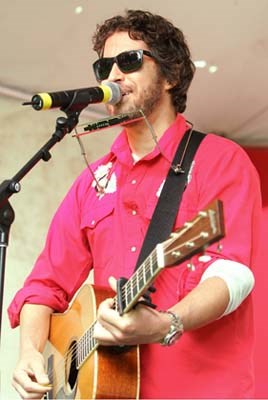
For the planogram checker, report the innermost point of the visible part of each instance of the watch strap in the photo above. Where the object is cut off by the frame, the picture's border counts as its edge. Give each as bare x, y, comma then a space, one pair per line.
175, 331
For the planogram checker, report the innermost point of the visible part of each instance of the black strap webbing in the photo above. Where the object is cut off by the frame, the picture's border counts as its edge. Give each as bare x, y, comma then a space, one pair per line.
168, 204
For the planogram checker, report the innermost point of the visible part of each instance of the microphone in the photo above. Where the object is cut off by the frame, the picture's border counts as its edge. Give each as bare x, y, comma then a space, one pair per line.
109, 92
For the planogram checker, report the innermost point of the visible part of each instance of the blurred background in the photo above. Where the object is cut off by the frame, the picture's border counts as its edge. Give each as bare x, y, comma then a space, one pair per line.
46, 46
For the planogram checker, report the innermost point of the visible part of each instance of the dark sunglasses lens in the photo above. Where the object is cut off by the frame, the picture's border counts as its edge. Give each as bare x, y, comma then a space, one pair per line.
129, 61
102, 68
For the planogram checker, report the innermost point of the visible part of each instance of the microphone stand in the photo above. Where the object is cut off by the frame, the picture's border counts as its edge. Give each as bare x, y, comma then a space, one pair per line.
10, 186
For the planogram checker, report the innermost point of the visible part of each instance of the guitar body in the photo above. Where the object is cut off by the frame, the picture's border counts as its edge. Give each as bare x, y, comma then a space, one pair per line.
105, 373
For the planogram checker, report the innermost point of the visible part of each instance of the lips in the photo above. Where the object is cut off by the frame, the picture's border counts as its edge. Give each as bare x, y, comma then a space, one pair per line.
125, 92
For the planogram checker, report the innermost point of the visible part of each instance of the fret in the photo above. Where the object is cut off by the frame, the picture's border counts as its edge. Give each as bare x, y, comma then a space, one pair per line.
78, 354
93, 341
148, 271
130, 290
141, 277
135, 289
88, 341
151, 264
138, 282
155, 266
143, 274
131, 286
83, 348
128, 293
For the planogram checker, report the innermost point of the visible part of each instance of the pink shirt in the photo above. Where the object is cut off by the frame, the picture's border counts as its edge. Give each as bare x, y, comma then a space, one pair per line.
105, 232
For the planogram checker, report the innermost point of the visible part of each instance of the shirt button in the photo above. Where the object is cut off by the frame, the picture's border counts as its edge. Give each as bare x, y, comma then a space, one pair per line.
134, 212
133, 181
133, 249
93, 222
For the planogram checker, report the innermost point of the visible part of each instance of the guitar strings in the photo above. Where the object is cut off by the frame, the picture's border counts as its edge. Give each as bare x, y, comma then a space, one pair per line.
87, 338
152, 260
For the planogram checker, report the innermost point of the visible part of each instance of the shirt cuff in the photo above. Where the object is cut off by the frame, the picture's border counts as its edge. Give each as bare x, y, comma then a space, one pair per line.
238, 278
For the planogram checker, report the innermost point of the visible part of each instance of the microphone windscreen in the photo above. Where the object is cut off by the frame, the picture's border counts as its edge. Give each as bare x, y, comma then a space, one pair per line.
115, 94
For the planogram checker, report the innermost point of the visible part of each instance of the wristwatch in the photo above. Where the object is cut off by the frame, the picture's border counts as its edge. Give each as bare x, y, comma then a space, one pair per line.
175, 330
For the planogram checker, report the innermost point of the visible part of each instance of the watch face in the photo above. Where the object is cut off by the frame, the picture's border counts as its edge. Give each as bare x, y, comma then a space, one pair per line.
174, 337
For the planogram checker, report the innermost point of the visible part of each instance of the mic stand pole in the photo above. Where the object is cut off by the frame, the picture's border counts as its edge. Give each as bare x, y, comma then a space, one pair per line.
9, 187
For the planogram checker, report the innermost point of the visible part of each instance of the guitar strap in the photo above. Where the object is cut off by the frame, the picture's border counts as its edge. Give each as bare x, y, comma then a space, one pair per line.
168, 204
167, 207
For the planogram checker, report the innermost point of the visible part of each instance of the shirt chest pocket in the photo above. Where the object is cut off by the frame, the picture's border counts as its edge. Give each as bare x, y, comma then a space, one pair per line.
98, 220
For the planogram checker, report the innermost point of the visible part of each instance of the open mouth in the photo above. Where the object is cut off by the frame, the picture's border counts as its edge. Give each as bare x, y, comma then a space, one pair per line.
125, 92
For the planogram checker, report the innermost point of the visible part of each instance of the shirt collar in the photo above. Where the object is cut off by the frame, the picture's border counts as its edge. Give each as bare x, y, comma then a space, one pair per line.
167, 144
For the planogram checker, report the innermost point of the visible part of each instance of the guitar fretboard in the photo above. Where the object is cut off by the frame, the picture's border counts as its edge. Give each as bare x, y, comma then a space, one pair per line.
85, 346
139, 282
131, 292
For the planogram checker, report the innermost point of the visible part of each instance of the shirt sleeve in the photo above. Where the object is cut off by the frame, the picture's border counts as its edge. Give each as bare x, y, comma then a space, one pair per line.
63, 264
222, 170
231, 177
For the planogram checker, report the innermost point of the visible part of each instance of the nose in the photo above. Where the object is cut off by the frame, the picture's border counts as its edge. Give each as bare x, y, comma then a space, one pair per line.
116, 74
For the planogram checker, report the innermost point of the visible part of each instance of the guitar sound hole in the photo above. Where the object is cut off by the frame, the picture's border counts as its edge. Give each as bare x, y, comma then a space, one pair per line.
71, 369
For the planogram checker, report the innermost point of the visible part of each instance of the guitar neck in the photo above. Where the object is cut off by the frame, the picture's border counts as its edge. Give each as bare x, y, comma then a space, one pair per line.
135, 287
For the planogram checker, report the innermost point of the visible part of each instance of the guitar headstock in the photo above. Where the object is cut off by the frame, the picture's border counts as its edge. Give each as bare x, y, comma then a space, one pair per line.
206, 228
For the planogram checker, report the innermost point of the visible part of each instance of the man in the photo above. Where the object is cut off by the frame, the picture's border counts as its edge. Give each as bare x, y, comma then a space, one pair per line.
149, 59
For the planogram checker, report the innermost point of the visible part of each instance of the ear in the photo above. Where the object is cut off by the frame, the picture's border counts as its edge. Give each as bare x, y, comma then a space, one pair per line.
168, 85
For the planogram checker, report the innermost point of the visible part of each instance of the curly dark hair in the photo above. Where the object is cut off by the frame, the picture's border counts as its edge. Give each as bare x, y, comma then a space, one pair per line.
166, 42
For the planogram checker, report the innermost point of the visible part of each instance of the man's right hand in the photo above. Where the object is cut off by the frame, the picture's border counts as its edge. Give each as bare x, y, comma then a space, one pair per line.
29, 378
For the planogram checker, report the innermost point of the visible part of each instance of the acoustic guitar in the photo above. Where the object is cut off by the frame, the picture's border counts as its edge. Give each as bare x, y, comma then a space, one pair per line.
78, 367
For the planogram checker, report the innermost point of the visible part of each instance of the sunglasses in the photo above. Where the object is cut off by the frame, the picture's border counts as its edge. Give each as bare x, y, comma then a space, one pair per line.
128, 61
